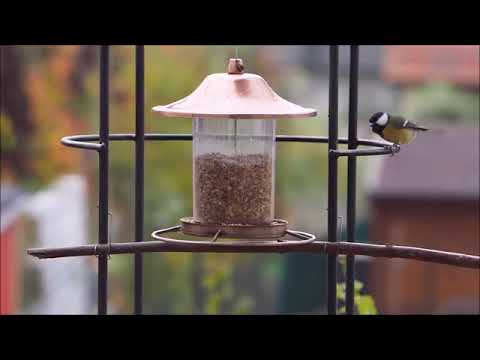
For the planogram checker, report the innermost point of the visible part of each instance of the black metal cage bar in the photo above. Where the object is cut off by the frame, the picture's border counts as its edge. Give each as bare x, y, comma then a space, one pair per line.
103, 249
332, 178
139, 174
103, 179
351, 178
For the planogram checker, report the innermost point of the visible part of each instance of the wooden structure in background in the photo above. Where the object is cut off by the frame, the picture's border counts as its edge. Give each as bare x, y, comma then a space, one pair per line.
428, 197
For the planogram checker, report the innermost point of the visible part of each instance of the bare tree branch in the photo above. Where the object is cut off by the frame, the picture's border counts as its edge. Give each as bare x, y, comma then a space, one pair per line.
338, 248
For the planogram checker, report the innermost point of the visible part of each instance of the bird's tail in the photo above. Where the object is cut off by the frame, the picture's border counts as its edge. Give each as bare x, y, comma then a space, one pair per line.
413, 126
418, 128
421, 128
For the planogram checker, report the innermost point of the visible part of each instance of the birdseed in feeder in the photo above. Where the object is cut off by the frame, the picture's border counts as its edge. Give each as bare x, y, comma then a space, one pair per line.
233, 189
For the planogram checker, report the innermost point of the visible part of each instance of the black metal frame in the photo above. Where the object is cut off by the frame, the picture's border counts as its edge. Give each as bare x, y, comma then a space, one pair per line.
351, 176
103, 179
139, 173
332, 178
103, 249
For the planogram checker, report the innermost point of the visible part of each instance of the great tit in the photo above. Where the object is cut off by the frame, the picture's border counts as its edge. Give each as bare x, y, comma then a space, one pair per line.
395, 129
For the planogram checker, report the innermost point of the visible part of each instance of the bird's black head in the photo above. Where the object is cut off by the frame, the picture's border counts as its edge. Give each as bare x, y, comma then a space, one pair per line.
378, 121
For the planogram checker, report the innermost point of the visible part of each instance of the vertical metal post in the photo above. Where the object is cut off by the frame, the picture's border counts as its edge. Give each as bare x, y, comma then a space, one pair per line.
103, 180
332, 177
352, 177
139, 174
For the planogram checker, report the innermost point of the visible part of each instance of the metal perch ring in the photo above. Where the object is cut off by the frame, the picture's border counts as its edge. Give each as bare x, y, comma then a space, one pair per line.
305, 238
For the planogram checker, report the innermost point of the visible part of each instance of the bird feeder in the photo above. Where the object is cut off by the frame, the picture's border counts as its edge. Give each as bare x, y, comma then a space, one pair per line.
233, 131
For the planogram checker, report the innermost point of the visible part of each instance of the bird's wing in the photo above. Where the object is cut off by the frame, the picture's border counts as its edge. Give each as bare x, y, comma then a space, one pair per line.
401, 123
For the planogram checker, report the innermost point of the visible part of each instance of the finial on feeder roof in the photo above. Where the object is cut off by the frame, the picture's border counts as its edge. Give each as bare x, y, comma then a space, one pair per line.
234, 95
235, 66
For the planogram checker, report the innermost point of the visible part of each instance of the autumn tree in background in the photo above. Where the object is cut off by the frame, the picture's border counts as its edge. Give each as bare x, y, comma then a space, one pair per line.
42, 87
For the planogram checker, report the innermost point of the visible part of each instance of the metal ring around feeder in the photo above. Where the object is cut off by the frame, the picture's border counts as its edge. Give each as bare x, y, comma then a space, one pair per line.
305, 238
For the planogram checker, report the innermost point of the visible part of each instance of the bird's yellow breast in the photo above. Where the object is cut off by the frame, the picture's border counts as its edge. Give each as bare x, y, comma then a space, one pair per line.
398, 136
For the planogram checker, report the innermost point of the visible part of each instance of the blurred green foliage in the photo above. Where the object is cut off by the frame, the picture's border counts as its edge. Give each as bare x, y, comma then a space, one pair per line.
7, 136
441, 102
364, 303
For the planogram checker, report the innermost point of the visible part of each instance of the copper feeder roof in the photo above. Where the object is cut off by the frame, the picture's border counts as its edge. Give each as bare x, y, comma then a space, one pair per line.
234, 95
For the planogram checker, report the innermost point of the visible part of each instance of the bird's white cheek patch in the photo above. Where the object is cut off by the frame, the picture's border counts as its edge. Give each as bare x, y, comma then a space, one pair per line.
382, 120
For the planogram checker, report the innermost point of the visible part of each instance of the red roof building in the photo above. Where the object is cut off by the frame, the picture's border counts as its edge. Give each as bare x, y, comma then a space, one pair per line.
407, 65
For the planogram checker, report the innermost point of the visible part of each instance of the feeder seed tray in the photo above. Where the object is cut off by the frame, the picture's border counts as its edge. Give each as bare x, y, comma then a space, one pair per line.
276, 229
